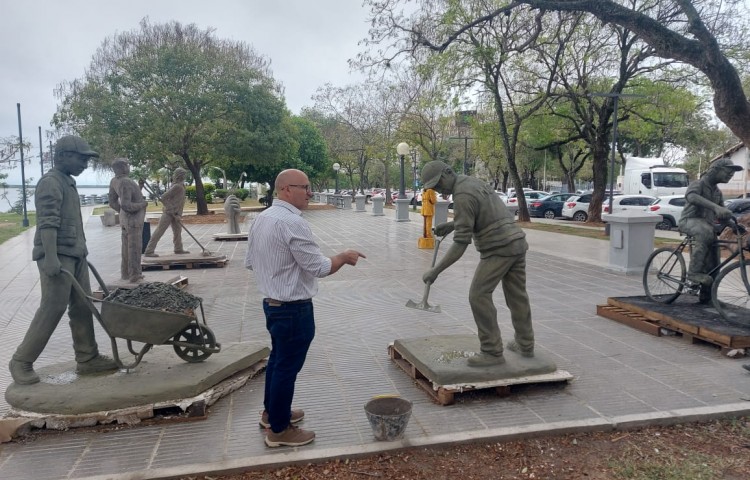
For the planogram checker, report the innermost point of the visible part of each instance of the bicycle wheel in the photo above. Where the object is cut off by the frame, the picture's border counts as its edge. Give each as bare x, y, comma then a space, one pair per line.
664, 275
731, 294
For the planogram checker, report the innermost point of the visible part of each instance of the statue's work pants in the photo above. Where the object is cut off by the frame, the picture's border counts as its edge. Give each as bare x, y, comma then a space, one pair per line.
511, 271
57, 294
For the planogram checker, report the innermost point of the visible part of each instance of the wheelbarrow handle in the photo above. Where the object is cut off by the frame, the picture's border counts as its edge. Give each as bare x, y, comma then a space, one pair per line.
89, 299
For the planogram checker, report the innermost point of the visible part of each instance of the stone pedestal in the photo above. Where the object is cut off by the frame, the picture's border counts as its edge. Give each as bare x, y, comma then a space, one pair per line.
402, 210
441, 211
631, 240
377, 206
359, 200
323, 197
109, 218
346, 202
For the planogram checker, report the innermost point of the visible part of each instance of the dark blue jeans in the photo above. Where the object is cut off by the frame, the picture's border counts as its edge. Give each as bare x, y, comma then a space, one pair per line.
292, 328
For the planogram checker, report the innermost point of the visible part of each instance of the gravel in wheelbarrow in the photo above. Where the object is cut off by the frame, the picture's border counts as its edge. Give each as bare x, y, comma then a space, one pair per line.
151, 313
157, 296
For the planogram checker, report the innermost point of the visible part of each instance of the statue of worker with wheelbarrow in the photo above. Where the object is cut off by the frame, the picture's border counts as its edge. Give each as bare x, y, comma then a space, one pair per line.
59, 243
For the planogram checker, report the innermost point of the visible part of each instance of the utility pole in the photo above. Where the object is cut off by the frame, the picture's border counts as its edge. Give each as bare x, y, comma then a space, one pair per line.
41, 154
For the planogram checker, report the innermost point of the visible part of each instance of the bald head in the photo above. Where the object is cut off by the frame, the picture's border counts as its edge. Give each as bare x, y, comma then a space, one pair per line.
293, 186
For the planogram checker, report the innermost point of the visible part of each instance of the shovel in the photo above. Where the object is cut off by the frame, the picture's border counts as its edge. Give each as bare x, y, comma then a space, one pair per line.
205, 252
423, 305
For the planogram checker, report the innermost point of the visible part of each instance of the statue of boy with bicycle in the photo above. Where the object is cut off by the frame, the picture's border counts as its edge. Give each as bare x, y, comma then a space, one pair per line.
705, 205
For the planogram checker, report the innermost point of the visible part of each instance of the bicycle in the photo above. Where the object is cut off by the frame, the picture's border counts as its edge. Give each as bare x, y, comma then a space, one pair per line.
665, 276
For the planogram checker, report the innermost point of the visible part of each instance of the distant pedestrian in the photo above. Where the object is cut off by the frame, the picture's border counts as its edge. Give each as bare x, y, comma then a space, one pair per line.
59, 243
287, 262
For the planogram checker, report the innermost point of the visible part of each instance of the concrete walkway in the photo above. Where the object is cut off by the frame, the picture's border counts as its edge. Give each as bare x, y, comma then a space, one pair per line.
622, 377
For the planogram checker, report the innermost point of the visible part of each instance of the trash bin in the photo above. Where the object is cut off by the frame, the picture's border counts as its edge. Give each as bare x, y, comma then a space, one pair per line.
146, 236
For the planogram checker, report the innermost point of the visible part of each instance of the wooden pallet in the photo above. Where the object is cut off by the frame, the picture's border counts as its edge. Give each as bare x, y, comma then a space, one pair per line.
445, 394
187, 264
688, 320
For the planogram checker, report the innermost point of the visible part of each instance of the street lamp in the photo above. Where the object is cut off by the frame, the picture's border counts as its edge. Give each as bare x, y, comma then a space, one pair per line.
402, 149
223, 173
336, 168
25, 221
416, 183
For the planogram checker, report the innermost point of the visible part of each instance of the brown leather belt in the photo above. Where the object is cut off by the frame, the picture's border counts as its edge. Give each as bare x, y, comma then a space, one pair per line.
277, 303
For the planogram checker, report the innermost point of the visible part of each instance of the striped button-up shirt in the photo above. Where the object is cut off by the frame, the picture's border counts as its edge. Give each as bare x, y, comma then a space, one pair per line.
283, 255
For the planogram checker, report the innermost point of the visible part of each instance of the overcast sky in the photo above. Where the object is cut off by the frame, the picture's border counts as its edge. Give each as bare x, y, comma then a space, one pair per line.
44, 42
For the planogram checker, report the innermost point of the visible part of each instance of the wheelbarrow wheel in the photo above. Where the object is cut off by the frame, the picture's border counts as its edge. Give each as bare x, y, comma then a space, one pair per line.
200, 336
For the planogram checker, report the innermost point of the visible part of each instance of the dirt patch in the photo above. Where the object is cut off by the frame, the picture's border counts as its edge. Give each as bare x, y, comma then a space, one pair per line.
715, 450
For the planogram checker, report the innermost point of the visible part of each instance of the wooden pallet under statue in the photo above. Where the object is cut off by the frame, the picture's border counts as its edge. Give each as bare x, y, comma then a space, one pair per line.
684, 316
438, 365
187, 261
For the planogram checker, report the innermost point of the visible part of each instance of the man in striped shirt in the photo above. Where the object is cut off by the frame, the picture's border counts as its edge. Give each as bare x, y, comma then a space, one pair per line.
287, 262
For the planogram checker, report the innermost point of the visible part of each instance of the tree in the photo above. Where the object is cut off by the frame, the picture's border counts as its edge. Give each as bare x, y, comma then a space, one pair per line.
703, 34
168, 90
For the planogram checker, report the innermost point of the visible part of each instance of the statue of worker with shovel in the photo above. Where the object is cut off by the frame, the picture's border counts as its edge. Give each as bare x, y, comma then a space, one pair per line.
480, 216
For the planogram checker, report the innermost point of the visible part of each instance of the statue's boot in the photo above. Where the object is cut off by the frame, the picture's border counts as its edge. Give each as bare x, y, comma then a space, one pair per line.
483, 359
513, 346
98, 364
23, 372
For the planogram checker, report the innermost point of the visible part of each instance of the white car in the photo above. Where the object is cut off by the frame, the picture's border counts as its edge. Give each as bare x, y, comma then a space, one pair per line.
670, 208
577, 207
512, 201
621, 203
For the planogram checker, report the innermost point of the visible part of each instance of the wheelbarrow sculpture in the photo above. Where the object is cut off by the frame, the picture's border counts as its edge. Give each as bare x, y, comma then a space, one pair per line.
191, 339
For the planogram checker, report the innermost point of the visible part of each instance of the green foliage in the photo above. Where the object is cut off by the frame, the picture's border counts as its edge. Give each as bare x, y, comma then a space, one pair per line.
209, 188
166, 90
190, 193
241, 193
220, 193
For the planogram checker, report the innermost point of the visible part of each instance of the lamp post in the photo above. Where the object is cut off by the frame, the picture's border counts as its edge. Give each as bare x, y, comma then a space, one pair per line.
402, 204
25, 221
402, 149
416, 183
223, 173
336, 167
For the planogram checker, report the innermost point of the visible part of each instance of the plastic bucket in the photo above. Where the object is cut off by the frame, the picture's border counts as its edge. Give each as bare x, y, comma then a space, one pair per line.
388, 417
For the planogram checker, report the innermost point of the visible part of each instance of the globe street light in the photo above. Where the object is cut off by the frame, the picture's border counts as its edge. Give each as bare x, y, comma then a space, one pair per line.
336, 168
402, 149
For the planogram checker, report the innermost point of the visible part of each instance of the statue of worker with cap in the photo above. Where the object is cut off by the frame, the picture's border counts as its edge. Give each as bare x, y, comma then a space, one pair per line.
59, 243
482, 218
704, 206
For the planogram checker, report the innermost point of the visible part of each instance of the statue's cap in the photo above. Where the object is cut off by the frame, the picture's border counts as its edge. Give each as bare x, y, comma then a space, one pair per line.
726, 163
72, 143
431, 173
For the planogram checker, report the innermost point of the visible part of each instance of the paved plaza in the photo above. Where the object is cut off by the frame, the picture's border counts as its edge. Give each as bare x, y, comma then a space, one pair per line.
621, 376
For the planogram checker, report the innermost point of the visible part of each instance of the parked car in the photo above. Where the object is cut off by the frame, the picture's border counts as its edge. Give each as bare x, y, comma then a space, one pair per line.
739, 207
577, 207
548, 207
621, 203
512, 202
502, 196
670, 208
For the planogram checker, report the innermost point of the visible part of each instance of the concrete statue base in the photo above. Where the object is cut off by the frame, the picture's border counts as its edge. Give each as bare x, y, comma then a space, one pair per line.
161, 379
439, 365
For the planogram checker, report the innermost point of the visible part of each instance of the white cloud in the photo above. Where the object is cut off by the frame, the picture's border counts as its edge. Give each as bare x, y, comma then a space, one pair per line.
45, 42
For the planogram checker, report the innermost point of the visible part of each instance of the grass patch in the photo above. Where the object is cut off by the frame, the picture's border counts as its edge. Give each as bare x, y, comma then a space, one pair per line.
10, 225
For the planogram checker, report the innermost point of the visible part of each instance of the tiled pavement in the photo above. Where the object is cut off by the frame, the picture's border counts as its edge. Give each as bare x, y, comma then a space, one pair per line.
621, 376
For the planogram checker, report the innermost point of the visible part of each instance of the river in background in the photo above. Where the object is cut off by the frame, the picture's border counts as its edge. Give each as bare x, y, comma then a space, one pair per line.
13, 193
